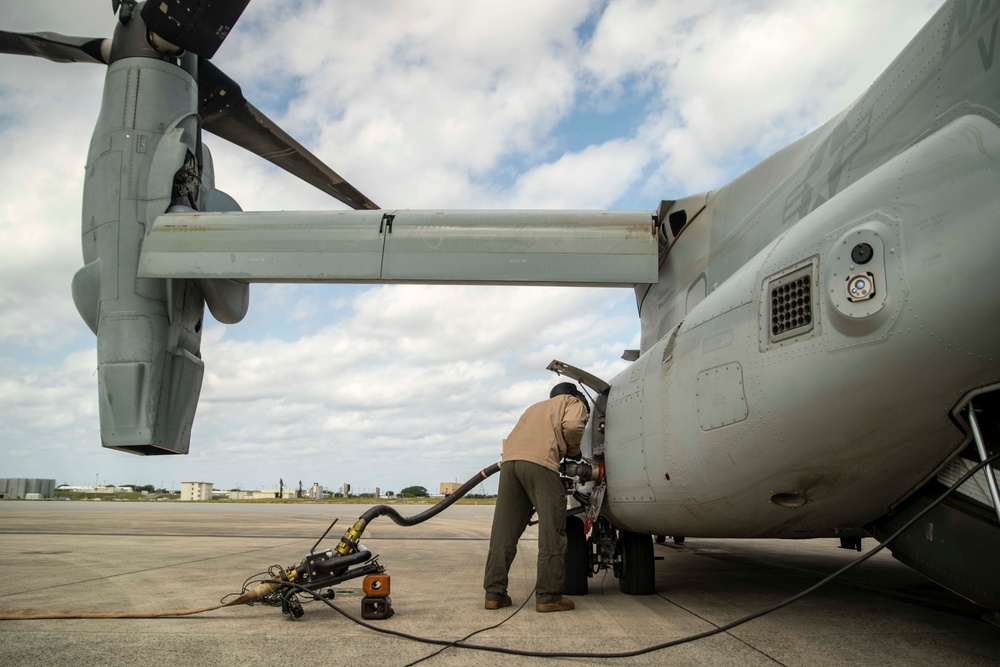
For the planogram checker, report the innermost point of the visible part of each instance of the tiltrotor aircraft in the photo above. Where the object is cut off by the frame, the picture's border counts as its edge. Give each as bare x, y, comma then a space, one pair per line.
820, 352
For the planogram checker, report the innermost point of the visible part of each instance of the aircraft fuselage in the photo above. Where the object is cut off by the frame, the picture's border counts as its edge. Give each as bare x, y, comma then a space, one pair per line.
771, 401
784, 406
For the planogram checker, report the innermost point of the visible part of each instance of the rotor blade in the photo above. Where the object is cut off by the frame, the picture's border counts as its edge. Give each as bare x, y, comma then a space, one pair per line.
226, 113
55, 47
200, 26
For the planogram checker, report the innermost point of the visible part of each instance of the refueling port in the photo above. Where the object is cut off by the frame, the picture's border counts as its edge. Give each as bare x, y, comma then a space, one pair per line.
583, 470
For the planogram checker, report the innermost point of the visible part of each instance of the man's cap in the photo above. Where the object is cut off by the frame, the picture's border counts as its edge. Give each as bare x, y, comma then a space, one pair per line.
567, 388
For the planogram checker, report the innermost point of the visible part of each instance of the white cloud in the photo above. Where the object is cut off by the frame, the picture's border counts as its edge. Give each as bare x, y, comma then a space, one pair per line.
738, 78
40, 193
593, 178
417, 104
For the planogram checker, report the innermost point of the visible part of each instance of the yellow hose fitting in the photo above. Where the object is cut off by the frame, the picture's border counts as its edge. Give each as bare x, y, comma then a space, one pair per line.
349, 542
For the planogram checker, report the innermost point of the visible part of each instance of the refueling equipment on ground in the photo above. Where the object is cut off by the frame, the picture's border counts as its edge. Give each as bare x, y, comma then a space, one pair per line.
319, 570
351, 559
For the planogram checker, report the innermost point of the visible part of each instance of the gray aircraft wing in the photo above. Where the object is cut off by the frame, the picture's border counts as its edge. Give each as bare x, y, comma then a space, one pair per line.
600, 248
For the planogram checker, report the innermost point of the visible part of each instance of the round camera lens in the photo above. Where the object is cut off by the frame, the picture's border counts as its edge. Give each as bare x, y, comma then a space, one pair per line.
862, 253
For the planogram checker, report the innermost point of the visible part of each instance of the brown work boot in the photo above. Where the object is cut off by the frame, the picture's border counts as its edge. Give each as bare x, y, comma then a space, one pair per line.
562, 604
505, 601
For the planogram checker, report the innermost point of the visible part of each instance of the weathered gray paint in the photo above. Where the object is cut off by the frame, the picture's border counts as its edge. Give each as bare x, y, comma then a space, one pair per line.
861, 402
612, 248
148, 330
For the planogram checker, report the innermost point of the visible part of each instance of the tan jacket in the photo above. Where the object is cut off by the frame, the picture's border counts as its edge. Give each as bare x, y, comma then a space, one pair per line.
547, 432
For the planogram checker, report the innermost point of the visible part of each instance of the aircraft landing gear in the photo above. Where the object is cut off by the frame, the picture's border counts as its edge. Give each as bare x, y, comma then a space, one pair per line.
628, 555
638, 576
578, 561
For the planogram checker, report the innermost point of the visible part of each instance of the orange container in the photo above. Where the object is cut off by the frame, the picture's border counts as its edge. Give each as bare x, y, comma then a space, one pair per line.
376, 585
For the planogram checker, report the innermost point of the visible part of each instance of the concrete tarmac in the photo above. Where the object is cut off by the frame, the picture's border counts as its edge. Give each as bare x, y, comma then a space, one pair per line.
160, 556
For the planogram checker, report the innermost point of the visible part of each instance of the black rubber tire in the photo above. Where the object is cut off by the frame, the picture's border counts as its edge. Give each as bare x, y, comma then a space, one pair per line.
660, 539
638, 574
678, 539
577, 558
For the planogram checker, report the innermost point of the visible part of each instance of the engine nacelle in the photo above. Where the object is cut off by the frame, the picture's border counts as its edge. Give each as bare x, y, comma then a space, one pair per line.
142, 157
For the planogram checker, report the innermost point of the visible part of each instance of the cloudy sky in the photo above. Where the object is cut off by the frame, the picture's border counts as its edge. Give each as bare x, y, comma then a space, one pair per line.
438, 104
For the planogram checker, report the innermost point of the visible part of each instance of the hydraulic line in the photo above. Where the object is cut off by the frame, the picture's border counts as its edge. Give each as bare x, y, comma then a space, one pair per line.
349, 542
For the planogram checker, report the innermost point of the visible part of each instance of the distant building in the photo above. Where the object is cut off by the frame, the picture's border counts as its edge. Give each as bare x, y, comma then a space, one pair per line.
448, 488
108, 490
316, 492
196, 490
275, 493
20, 487
347, 489
253, 495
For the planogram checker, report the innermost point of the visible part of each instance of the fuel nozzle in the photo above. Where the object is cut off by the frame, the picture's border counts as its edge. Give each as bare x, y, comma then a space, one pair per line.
349, 542
584, 470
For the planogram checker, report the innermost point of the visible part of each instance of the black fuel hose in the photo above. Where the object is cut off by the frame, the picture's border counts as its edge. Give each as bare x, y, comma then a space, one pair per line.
349, 542
390, 511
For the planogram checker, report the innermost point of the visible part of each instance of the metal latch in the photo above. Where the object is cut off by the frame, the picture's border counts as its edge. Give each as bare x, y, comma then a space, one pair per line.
386, 223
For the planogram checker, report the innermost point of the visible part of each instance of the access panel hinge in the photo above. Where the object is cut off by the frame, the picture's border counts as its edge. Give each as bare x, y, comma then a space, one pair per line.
386, 223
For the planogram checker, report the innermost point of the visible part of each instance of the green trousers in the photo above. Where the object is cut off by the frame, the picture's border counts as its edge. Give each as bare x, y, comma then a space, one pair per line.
523, 486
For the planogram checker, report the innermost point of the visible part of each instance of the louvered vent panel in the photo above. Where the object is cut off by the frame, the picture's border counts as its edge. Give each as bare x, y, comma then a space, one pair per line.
791, 308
